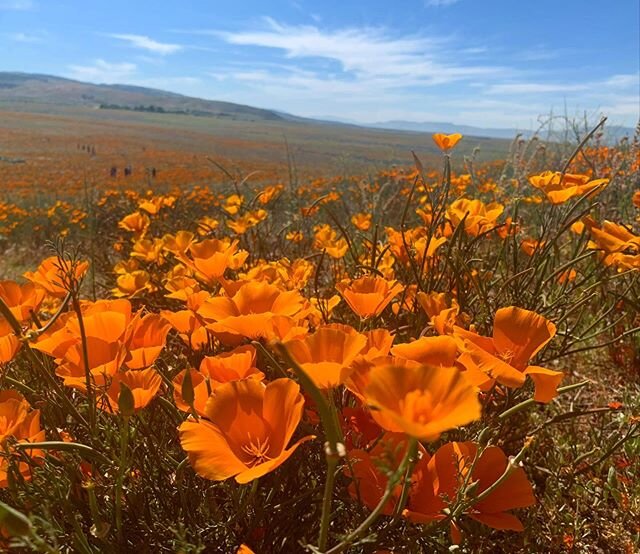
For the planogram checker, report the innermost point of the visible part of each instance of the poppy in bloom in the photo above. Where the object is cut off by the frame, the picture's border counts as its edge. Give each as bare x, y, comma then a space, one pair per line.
210, 258
443, 312
49, 276
518, 335
9, 343
143, 384
146, 339
419, 400
239, 363
361, 221
478, 217
246, 431
189, 327
326, 239
446, 142
22, 300
561, 187
17, 422
200, 387
368, 296
437, 480
252, 311
370, 469
327, 354
432, 351
619, 246
135, 222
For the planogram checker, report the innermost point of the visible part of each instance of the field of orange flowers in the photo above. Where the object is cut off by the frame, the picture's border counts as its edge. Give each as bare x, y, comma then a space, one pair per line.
420, 360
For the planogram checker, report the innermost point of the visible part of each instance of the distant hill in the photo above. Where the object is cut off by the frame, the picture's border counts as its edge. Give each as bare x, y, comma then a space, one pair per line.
46, 89
612, 132
26, 88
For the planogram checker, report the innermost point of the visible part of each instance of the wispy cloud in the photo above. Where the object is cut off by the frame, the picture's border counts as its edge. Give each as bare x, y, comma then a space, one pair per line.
364, 53
147, 43
17, 5
23, 37
103, 72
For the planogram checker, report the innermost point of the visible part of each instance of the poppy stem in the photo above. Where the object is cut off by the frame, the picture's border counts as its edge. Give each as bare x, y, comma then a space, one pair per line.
375, 514
124, 443
529, 402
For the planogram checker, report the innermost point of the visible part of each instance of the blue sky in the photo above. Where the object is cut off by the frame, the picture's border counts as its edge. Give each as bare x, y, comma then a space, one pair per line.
493, 63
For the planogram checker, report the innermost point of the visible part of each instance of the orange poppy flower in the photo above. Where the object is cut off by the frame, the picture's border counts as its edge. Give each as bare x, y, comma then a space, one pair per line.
144, 386
247, 430
437, 481
369, 471
201, 391
210, 258
22, 300
326, 239
9, 343
361, 221
419, 400
559, 188
147, 337
189, 327
433, 351
619, 246
135, 222
478, 217
49, 276
132, 284
368, 296
231, 366
251, 311
17, 422
327, 354
518, 335
446, 142
443, 312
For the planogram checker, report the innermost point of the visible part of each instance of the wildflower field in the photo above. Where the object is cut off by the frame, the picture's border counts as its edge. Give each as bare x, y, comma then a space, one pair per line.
435, 357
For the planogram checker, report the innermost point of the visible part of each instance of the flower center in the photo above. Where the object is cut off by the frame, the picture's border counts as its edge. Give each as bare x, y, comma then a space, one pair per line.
256, 448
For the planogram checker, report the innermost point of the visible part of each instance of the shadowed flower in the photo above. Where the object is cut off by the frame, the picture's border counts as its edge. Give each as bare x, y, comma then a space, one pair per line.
17, 422
9, 343
144, 386
438, 480
247, 430
368, 296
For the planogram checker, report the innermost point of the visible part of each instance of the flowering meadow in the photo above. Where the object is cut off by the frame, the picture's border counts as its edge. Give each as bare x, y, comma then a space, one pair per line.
432, 358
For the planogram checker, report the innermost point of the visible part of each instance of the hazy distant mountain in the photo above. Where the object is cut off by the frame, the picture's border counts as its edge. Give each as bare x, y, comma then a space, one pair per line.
613, 132
46, 89
26, 88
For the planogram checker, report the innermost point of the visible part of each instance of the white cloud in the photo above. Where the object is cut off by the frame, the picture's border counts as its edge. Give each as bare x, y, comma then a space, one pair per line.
103, 72
147, 43
17, 5
364, 53
23, 37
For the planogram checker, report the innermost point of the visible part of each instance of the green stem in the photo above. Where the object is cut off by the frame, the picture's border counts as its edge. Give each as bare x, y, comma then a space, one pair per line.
529, 402
332, 462
124, 443
377, 511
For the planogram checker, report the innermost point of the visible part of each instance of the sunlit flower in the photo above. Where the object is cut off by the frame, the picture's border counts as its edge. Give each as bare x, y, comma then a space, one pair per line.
446, 142
368, 296
518, 335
